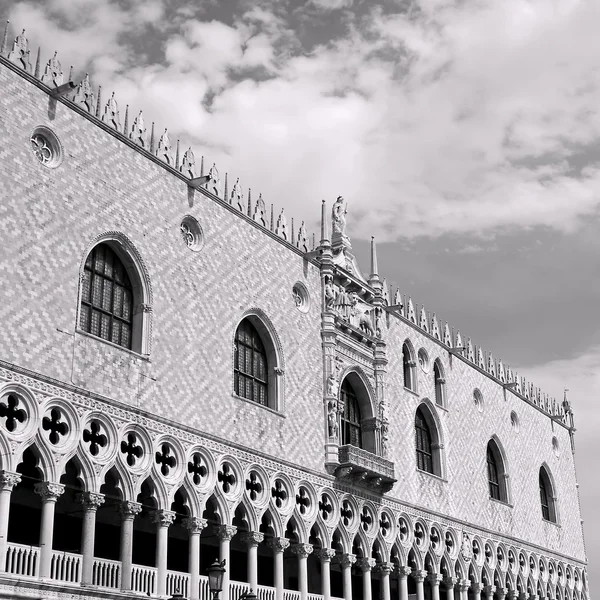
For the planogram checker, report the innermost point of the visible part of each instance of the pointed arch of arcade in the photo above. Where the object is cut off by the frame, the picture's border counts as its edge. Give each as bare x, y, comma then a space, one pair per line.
137, 279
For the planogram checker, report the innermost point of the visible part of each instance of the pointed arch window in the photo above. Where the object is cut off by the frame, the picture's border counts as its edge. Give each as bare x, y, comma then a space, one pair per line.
547, 496
423, 443
251, 364
440, 383
492, 471
409, 364
351, 417
106, 309
496, 473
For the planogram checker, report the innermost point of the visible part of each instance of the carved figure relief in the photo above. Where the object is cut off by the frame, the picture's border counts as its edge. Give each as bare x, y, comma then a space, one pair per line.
330, 292
53, 74
84, 95
332, 418
338, 216
111, 114
19, 54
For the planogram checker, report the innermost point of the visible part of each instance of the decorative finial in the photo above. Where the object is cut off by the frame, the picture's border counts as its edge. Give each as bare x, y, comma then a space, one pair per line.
177, 156
98, 103
292, 236
249, 201
36, 72
4, 40
324, 232
126, 123
374, 266
226, 190
271, 216
151, 137
202, 166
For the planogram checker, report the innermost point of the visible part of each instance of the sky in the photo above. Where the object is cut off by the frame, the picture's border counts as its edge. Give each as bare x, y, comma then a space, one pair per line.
463, 134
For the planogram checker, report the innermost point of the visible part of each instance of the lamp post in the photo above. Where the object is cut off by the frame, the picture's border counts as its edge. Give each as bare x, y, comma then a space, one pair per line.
215, 578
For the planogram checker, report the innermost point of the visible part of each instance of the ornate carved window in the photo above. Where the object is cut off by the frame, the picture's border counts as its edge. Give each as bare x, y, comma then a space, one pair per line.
251, 365
423, 443
106, 297
409, 364
440, 384
351, 417
547, 496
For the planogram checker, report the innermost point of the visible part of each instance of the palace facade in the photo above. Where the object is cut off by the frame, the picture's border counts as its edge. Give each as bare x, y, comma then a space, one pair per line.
186, 376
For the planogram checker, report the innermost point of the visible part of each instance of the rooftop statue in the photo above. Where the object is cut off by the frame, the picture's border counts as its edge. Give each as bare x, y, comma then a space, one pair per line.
338, 216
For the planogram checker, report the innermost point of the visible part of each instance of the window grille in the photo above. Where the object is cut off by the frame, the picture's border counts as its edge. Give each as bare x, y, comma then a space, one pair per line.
351, 418
250, 370
423, 443
106, 297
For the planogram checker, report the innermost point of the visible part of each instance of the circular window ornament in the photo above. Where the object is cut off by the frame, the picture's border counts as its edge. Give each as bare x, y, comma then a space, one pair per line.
46, 147
478, 400
514, 421
423, 360
301, 297
555, 446
192, 233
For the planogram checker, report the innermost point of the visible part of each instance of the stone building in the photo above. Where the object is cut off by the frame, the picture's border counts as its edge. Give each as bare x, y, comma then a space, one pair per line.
185, 377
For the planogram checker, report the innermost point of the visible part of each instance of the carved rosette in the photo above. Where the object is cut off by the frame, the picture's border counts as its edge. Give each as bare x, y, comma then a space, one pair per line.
324, 554
252, 538
163, 518
90, 500
302, 550
195, 524
365, 564
279, 544
225, 532
129, 510
49, 491
8, 480
347, 560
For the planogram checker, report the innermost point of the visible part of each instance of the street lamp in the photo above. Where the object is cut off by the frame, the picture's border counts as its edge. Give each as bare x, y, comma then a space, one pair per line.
215, 578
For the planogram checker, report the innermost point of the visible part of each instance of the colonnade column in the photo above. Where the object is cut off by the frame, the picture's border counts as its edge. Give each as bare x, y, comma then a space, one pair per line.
7, 483
252, 540
488, 591
477, 589
463, 588
128, 511
225, 534
278, 545
325, 555
385, 568
501, 593
194, 525
163, 519
403, 573
434, 580
346, 562
49, 493
419, 577
450, 582
91, 502
302, 551
366, 565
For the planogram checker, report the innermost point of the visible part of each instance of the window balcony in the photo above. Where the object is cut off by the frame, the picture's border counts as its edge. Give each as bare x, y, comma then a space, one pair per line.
362, 467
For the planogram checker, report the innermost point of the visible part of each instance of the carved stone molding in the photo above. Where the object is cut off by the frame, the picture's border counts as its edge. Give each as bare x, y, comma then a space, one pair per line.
347, 560
195, 524
404, 571
8, 480
90, 500
324, 554
49, 491
435, 578
163, 518
302, 550
279, 544
385, 568
225, 532
129, 510
419, 576
365, 564
252, 538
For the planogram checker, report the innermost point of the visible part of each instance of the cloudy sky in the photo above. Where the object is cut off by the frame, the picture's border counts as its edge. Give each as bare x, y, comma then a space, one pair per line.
463, 133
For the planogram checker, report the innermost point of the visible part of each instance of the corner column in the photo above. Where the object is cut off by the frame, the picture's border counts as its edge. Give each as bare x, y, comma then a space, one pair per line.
225, 534
90, 502
302, 551
278, 545
346, 562
403, 573
194, 525
128, 511
7, 483
419, 577
325, 555
435, 580
49, 493
252, 539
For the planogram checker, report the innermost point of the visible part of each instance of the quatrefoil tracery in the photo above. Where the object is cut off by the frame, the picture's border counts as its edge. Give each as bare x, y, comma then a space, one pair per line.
346, 513
95, 438
325, 507
254, 487
132, 450
303, 500
366, 519
197, 469
165, 459
12, 413
385, 525
279, 493
55, 425
226, 477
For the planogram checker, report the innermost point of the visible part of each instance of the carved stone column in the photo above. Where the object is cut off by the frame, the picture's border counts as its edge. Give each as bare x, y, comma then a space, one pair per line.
50, 493
435, 580
325, 555
278, 545
450, 582
302, 551
194, 525
7, 483
225, 534
477, 589
252, 539
128, 511
463, 588
90, 502
385, 569
488, 591
501, 593
366, 565
403, 573
419, 577
346, 561
163, 519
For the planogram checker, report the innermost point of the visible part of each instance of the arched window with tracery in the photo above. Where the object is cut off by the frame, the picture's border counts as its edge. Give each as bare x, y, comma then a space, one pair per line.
496, 472
106, 309
492, 473
251, 380
408, 365
351, 417
440, 383
547, 496
423, 443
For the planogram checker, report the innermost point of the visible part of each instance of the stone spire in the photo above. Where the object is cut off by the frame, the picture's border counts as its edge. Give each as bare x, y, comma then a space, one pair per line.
324, 228
4, 40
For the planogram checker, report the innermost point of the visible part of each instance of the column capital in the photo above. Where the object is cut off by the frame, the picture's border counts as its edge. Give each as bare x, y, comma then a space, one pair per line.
195, 524
252, 538
477, 587
404, 571
129, 510
91, 501
324, 554
347, 560
435, 578
279, 544
225, 532
450, 582
464, 585
489, 590
8, 480
163, 518
48, 490
501, 591
365, 564
302, 550
385, 568
512, 594
419, 576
